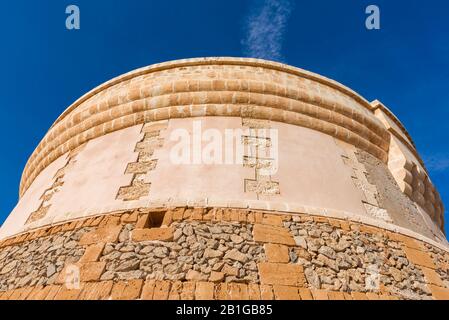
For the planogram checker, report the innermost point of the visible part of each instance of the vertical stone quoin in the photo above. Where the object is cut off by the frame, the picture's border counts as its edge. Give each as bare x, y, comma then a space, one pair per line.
359, 178
58, 182
145, 148
257, 145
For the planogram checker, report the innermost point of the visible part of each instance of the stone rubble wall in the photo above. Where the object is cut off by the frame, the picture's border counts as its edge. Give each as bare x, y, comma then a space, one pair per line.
197, 253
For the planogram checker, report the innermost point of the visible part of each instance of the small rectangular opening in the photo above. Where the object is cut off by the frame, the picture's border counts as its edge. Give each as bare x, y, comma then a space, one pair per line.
156, 219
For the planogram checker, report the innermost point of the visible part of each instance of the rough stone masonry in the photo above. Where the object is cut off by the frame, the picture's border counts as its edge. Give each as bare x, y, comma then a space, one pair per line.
279, 256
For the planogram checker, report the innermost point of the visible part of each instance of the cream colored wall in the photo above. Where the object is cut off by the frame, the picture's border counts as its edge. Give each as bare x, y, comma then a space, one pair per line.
195, 183
31, 200
311, 173
312, 178
91, 185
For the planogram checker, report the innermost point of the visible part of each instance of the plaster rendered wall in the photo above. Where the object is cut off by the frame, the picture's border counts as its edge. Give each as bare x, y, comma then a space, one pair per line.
311, 173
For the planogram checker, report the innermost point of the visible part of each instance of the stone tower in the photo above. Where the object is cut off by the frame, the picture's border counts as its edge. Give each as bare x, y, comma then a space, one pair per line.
225, 178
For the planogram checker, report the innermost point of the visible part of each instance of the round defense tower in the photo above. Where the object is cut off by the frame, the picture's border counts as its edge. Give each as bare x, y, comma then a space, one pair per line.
225, 178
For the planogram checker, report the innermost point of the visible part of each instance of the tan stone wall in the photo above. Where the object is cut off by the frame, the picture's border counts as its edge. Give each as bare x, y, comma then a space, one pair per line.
233, 254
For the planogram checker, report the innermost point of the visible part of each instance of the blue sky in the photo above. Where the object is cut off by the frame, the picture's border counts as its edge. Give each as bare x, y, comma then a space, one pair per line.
45, 67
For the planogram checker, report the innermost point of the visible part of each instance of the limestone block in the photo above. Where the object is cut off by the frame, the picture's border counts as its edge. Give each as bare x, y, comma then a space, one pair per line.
277, 253
105, 234
272, 234
160, 234
419, 258
281, 274
92, 253
204, 291
127, 290
286, 293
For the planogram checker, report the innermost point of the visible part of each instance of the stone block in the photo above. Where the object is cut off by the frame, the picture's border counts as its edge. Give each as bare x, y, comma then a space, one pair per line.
97, 290
148, 290
286, 293
372, 296
254, 292
238, 291
16, 294
25, 293
175, 291
281, 274
320, 295
127, 290
347, 296
91, 271
272, 234
216, 277
68, 294
168, 219
143, 221
222, 292
359, 296
230, 271
345, 225
204, 291
439, 293
276, 253
419, 258
161, 290
159, 234
51, 292
92, 253
130, 218
178, 214
107, 234
432, 277
188, 290
5, 295
335, 295
266, 292
273, 220
88, 271
36, 294
88, 289
111, 220
305, 294
197, 214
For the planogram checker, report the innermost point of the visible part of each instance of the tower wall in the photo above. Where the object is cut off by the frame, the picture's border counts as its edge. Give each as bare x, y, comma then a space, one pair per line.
312, 192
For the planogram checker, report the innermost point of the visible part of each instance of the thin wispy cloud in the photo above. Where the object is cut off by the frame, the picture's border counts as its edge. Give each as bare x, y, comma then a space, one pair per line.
437, 162
265, 28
